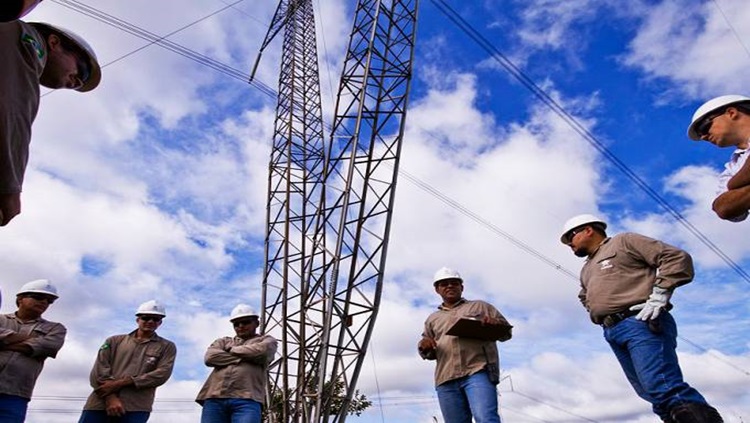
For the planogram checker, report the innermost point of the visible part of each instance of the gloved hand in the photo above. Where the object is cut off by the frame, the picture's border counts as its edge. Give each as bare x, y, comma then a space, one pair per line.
652, 307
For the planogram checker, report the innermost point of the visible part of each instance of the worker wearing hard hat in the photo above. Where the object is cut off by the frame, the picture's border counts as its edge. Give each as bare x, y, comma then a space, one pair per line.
236, 388
33, 54
128, 369
725, 122
626, 285
26, 340
467, 369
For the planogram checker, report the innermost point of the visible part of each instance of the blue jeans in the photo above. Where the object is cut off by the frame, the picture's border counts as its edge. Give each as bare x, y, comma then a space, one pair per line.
100, 416
230, 410
13, 408
649, 361
468, 396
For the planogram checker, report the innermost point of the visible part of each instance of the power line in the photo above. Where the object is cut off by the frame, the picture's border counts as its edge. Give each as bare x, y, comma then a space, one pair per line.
731, 27
542, 95
163, 42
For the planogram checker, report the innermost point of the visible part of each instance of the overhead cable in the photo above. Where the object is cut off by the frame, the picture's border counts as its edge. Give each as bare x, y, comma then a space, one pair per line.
163, 42
526, 81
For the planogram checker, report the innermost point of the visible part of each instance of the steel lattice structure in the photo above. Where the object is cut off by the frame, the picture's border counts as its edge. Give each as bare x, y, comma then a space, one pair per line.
329, 209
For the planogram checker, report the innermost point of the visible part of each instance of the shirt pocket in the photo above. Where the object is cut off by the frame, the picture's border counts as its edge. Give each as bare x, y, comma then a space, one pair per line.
608, 263
152, 357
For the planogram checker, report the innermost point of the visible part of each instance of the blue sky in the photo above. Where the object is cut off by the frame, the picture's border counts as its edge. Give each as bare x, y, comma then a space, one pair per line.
153, 186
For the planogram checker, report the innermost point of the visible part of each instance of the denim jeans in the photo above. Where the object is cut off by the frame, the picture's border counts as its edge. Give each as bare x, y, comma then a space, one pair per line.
468, 396
649, 361
230, 410
13, 408
100, 416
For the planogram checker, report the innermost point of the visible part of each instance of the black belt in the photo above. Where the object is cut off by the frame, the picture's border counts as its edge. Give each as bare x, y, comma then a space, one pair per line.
615, 318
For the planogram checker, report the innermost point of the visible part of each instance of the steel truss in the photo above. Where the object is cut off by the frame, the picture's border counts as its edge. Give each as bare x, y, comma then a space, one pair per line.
326, 259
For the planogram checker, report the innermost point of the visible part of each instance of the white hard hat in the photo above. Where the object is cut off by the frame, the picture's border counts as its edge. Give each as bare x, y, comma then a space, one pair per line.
151, 307
446, 273
242, 310
39, 286
95, 75
709, 107
577, 221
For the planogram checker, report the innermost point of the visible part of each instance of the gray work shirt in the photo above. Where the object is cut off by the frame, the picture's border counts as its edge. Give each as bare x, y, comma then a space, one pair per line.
18, 372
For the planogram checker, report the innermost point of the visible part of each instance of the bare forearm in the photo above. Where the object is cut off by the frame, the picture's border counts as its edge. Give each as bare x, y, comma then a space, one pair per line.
733, 203
741, 178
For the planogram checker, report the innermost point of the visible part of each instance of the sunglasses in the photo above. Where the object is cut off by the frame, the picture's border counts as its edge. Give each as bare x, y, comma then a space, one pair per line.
156, 319
83, 69
41, 297
573, 233
239, 323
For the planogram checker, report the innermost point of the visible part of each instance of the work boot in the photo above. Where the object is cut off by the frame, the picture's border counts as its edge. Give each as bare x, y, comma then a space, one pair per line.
694, 412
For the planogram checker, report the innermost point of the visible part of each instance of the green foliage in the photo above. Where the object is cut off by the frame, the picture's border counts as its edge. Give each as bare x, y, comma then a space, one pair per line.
337, 398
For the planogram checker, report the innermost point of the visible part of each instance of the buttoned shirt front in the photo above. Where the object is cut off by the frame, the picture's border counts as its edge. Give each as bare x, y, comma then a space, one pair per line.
148, 361
459, 356
239, 368
18, 372
624, 269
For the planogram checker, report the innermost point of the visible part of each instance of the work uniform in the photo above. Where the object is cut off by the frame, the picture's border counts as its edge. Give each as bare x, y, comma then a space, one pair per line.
735, 163
239, 374
18, 372
619, 274
148, 361
465, 367
24, 55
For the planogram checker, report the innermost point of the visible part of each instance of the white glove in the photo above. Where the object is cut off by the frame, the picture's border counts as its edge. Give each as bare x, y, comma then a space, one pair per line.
653, 306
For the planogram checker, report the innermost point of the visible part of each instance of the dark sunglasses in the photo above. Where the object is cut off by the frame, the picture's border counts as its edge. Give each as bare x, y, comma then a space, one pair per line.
573, 233
147, 318
41, 297
238, 323
82, 66
705, 125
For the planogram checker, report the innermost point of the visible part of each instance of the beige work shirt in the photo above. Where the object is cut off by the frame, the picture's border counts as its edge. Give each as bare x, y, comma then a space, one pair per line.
624, 269
239, 368
18, 372
149, 362
456, 356
23, 54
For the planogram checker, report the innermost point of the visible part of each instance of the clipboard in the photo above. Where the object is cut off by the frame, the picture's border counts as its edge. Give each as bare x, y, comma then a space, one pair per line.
473, 328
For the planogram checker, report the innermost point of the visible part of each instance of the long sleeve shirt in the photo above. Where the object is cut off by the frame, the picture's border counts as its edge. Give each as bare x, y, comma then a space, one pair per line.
239, 368
149, 362
624, 269
24, 56
18, 372
458, 356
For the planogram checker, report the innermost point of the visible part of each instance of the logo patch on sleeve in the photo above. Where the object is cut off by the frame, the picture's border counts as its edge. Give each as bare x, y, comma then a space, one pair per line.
35, 44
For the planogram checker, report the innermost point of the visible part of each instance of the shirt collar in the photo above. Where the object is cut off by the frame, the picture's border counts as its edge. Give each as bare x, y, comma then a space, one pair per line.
458, 303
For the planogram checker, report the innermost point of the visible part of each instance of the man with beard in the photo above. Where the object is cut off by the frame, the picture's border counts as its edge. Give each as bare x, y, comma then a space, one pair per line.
626, 284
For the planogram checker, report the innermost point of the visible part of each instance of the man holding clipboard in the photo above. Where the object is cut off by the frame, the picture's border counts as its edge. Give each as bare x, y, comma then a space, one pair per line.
461, 336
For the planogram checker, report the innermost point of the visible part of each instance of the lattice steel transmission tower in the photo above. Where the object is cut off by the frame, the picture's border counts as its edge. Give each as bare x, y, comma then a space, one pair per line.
329, 209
